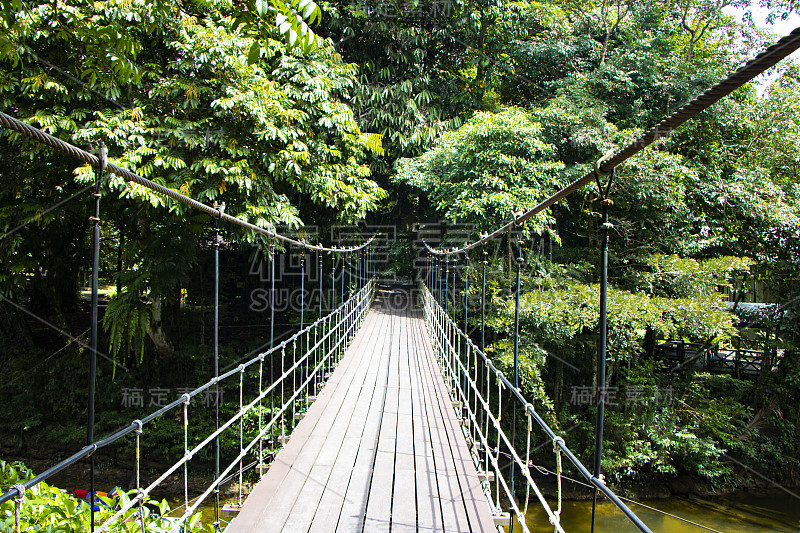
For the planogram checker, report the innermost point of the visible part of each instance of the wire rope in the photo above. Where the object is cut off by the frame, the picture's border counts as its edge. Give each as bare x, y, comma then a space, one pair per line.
36, 134
763, 61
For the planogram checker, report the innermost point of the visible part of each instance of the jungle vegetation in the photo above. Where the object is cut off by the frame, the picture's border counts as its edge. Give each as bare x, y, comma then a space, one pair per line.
298, 114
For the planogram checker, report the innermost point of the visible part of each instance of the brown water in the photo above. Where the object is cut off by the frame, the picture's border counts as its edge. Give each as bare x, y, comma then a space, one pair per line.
742, 512
206, 510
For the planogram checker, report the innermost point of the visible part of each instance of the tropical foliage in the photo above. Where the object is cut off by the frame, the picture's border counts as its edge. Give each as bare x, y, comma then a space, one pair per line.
294, 113
48, 508
196, 98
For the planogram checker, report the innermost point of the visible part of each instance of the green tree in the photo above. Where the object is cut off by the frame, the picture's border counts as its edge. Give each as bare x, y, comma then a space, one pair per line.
494, 165
217, 108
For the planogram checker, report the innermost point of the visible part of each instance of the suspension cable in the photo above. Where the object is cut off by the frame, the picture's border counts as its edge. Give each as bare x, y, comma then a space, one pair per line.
763, 61
22, 128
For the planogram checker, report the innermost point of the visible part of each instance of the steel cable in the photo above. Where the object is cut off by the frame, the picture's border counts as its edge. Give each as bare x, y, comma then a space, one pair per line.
22, 128
763, 61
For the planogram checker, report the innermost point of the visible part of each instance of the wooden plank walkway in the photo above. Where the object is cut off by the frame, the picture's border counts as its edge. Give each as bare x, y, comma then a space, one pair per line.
380, 450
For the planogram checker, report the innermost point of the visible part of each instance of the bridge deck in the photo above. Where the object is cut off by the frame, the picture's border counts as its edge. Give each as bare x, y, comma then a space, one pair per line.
381, 448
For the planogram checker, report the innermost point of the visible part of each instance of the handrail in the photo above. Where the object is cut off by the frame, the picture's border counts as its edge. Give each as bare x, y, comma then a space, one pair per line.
518, 395
346, 309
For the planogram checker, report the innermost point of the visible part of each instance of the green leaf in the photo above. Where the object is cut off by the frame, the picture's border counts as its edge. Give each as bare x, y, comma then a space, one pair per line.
254, 53
262, 7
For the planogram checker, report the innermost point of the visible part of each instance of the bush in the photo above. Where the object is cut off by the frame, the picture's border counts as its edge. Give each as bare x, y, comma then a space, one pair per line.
48, 508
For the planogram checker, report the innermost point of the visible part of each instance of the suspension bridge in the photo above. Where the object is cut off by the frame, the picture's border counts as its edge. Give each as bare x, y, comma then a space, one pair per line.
385, 415
380, 449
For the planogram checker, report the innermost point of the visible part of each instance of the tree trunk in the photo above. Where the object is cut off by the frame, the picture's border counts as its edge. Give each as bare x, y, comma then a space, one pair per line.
157, 334
605, 48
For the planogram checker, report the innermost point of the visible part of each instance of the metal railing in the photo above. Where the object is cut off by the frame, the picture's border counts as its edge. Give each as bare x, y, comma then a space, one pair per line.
306, 359
469, 373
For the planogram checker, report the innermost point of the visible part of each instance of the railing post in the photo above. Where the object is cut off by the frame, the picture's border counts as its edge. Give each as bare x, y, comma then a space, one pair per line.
241, 431
435, 277
319, 273
466, 292
441, 275
520, 261
259, 468
483, 301
294, 379
302, 289
272, 339
137, 468
303, 374
432, 275
428, 271
601, 360
98, 178
282, 439
453, 296
334, 304
217, 241
356, 272
479, 381
344, 266
446, 306
186, 400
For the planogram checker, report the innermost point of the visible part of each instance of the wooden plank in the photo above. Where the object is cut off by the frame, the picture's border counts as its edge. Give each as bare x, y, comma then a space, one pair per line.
307, 501
404, 496
356, 497
381, 447
453, 509
332, 500
379, 506
281, 504
441, 511
429, 512
457, 453
429, 506
252, 515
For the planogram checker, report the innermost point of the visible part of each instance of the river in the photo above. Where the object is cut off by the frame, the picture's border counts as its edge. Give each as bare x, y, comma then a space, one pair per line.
742, 512
746, 511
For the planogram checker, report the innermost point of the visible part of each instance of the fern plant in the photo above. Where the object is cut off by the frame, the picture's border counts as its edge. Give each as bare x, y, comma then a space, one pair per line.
127, 323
